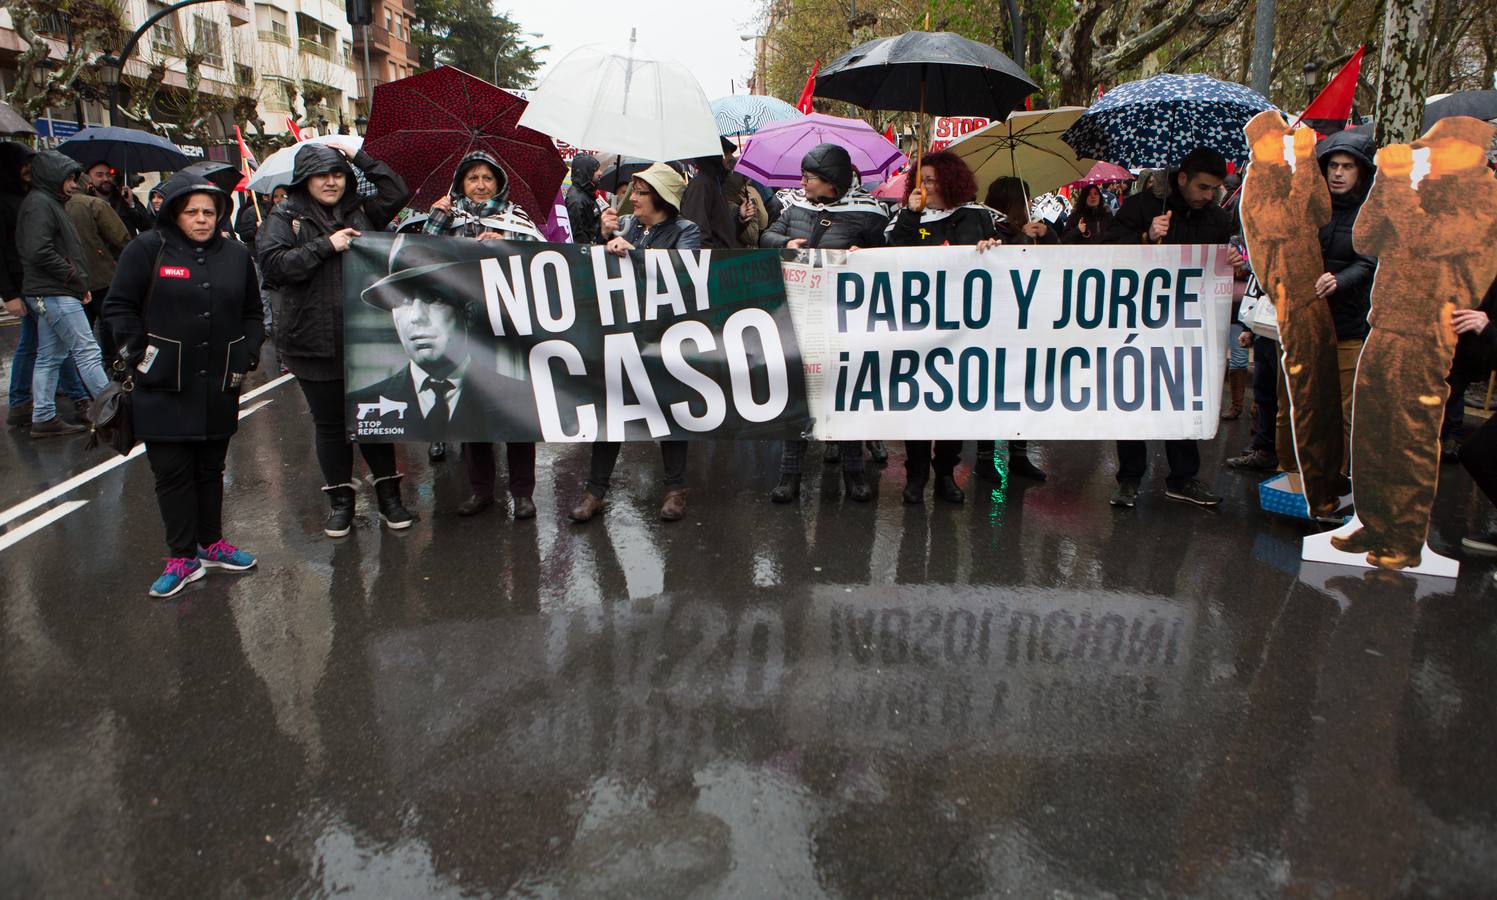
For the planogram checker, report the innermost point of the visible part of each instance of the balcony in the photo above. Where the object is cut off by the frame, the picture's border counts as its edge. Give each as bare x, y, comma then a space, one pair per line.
275, 37
239, 13
313, 48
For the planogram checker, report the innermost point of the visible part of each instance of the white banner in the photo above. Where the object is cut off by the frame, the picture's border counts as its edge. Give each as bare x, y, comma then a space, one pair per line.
1046, 343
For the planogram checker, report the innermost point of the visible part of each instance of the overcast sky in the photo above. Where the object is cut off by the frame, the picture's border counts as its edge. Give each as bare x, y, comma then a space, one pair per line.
703, 35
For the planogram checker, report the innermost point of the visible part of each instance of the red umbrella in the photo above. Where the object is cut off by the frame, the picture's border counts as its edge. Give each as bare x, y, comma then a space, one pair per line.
425, 124
1103, 173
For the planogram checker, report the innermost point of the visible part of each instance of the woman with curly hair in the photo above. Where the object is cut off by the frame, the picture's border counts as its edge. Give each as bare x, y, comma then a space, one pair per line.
942, 210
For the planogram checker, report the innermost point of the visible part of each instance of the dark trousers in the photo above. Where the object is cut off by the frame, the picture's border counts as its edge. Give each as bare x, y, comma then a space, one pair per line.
1479, 456
520, 458
334, 452
606, 456
1265, 393
918, 457
793, 456
190, 492
1184, 457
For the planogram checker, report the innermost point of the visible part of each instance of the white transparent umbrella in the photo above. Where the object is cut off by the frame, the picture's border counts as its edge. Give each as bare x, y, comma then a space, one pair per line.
275, 171
622, 100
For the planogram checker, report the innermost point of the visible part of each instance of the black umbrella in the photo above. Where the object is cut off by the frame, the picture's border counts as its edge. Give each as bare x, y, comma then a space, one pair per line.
618, 174
1476, 104
940, 73
219, 174
126, 149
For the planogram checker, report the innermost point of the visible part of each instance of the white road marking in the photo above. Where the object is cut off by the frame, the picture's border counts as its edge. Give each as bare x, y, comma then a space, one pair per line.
82, 478
40, 522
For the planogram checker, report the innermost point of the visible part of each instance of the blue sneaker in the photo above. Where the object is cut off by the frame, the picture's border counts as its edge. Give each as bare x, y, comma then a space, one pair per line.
179, 573
224, 555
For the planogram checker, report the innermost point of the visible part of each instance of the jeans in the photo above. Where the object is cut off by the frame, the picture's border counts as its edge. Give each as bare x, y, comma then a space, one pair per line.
24, 361
190, 492
62, 331
330, 436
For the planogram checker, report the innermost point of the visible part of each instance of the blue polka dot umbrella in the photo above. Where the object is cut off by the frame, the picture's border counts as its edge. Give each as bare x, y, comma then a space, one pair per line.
1155, 122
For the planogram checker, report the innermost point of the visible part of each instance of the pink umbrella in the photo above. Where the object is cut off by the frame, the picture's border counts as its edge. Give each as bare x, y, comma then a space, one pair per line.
772, 156
1102, 173
893, 189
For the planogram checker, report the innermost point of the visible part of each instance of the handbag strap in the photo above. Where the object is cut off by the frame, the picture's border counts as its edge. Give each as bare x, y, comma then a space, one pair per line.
819, 231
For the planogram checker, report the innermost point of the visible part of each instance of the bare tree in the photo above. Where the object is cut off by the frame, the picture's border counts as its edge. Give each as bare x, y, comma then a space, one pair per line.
92, 24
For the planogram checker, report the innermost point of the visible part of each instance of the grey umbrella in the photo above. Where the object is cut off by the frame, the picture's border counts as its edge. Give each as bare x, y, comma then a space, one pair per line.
1476, 104
12, 124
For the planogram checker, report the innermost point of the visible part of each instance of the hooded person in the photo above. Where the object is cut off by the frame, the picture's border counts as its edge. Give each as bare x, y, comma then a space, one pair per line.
55, 286
656, 224
478, 206
705, 201
1346, 162
829, 211
15, 180
1436, 248
581, 199
184, 309
299, 246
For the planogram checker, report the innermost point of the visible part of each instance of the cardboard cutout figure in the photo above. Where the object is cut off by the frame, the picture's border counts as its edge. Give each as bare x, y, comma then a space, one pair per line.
1437, 252
1283, 211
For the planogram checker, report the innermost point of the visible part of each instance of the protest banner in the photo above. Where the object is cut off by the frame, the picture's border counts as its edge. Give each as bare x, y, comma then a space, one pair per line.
1017, 342
461, 340
458, 340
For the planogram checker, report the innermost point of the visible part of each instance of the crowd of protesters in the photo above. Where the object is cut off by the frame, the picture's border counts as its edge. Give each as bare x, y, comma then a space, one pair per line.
190, 338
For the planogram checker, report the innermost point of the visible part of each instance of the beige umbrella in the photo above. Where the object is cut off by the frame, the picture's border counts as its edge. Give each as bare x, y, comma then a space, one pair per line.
1028, 145
12, 123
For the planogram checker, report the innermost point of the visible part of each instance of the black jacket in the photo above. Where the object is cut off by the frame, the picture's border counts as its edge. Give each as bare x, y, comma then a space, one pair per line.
856, 220
1010, 233
136, 216
1352, 300
1208, 225
12, 192
51, 254
675, 233
1097, 226
247, 223
705, 204
297, 256
964, 225
189, 313
582, 207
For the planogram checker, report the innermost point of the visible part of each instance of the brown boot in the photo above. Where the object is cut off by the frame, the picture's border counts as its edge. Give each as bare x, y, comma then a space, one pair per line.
589, 507
1237, 380
674, 506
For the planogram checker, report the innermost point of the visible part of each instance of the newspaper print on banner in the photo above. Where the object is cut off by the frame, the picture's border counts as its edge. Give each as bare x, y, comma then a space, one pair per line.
1047, 343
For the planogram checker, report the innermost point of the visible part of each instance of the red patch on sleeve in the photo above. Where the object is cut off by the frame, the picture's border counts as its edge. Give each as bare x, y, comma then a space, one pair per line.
175, 272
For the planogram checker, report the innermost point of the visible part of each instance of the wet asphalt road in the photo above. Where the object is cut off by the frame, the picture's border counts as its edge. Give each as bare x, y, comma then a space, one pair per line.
1032, 695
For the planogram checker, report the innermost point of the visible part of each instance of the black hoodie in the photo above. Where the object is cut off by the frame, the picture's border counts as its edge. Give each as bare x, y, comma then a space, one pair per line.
51, 254
582, 207
12, 157
297, 256
196, 306
1352, 300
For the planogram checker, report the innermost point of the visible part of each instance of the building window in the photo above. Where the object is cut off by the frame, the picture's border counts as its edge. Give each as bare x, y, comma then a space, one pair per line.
210, 40
273, 24
389, 23
164, 38
348, 51
244, 76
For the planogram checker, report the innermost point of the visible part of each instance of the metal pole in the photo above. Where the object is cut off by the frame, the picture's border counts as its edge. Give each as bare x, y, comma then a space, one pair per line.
368, 76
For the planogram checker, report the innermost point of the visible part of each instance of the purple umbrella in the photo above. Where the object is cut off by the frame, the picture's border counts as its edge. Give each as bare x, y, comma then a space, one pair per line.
772, 156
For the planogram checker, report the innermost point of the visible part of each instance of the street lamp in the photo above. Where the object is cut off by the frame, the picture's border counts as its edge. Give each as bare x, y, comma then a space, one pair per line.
118, 62
1310, 75
500, 49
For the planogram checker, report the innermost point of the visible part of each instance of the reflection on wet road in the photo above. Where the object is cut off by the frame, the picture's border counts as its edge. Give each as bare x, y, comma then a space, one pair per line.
1030, 695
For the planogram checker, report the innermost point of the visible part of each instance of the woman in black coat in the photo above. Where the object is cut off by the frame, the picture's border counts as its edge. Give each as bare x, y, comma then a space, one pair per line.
184, 309
1090, 218
299, 246
1010, 197
942, 210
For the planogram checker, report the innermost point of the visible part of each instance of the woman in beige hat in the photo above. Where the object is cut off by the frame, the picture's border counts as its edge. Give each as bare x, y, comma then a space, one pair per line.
656, 224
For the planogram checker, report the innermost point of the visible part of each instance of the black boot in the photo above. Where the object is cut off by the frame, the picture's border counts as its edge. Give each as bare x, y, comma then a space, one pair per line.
879, 451
787, 490
340, 520
946, 489
1019, 464
857, 486
831, 453
914, 490
986, 469
387, 494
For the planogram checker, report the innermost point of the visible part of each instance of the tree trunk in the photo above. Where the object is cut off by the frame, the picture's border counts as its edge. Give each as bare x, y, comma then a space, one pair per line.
1403, 71
1264, 24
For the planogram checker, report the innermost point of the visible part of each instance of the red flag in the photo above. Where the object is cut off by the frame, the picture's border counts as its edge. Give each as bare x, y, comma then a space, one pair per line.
805, 95
1331, 108
295, 132
246, 161
889, 133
